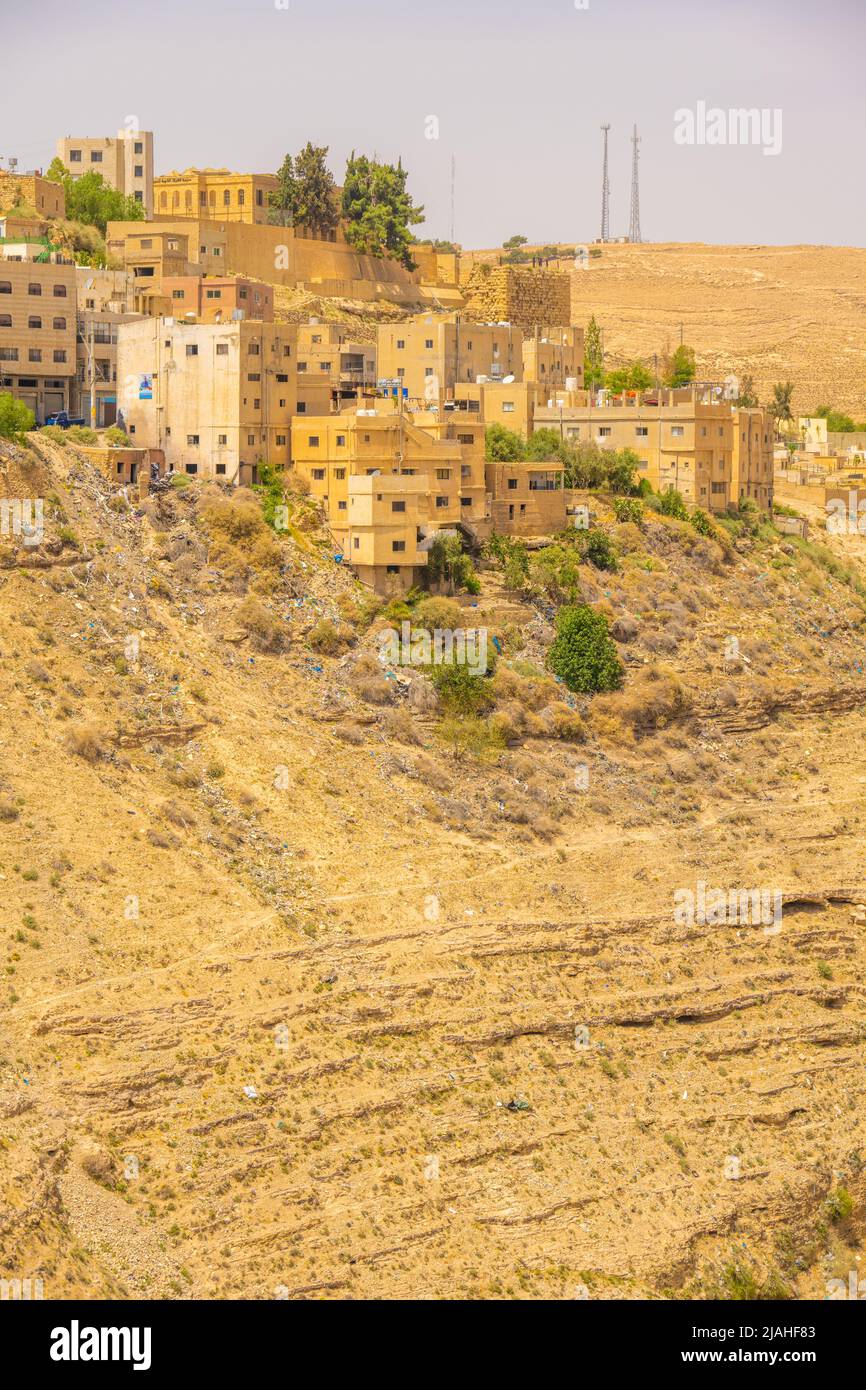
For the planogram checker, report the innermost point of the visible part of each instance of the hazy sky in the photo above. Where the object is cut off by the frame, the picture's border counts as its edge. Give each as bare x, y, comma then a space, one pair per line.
519, 91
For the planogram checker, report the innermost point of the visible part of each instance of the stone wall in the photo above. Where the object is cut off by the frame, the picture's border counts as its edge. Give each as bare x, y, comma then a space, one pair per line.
520, 295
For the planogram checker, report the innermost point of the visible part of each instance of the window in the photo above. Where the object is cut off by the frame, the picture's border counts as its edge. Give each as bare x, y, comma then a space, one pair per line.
192, 439
259, 198
340, 473
34, 321
428, 342
466, 501
192, 349
282, 376
441, 501
677, 431
59, 354
222, 349
257, 404
59, 291
34, 355
222, 439
302, 408
192, 468
96, 156
341, 506
214, 294
319, 475
5, 320
254, 350
242, 197
398, 546
138, 171
302, 366
466, 439
401, 342
138, 147
604, 431
392, 569
227, 197
401, 371
398, 506
443, 473
341, 440
254, 376
178, 294
512, 482
356, 542
217, 251
326, 366
33, 288
251, 439
220, 468
281, 439
641, 431
74, 156
313, 441
5, 286
718, 487
507, 407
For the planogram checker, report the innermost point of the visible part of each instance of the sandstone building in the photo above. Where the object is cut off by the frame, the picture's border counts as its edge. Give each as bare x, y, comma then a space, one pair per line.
124, 161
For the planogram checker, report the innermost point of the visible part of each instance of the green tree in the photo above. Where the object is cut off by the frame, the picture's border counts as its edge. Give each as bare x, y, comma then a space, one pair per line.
378, 210
837, 423
546, 445
91, 200
447, 561
583, 653
284, 198
680, 368
597, 548
633, 377
587, 466
514, 243
671, 504
15, 418
502, 445
593, 356
621, 470
747, 398
780, 406
316, 191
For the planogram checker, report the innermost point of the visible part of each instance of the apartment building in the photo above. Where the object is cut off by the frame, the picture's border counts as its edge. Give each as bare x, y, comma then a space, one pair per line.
217, 298
37, 328
125, 161
752, 460
682, 438
152, 256
554, 357
429, 355
512, 404
214, 194
32, 191
433, 481
526, 499
105, 301
218, 399
330, 349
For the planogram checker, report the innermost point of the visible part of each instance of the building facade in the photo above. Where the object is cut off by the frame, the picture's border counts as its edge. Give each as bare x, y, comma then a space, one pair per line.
330, 350
429, 355
214, 195
125, 161
218, 399
42, 196
752, 459
37, 330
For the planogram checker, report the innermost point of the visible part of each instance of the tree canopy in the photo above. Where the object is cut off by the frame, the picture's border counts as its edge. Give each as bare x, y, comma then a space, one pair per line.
378, 210
90, 199
680, 368
306, 194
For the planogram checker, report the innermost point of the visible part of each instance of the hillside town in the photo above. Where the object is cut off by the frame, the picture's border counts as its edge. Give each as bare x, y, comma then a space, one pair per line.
174, 349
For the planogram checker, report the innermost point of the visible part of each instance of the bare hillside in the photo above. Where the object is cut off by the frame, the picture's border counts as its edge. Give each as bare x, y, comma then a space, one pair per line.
307, 996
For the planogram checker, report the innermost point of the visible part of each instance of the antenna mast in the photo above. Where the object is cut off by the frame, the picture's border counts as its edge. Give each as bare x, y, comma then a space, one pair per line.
605, 193
634, 225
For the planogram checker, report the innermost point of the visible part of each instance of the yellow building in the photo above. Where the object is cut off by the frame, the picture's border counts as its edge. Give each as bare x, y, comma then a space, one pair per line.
435, 482
752, 460
428, 355
513, 405
125, 162
526, 499
217, 398
331, 350
105, 301
32, 191
37, 329
214, 195
681, 438
554, 357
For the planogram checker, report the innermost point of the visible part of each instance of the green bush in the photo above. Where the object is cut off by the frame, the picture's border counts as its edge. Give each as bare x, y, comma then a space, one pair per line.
597, 547
671, 504
460, 692
628, 509
80, 434
702, 522
15, 418
583, 653
117, 437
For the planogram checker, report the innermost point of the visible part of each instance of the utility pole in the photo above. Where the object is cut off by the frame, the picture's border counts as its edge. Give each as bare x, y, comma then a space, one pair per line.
92, 363
605, 193
453, 168
634, 222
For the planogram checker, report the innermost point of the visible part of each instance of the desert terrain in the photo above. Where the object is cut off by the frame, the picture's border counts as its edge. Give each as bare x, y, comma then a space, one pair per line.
303, 999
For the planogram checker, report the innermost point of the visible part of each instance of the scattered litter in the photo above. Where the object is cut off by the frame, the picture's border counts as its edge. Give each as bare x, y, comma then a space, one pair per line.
251, 1093
517, 1105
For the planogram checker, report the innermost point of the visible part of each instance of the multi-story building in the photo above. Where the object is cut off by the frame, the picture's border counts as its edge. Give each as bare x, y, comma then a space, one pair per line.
37, 328
512, 404
124, 161
217, 298
433, 482
526, 499
214, 194
218, 399
105, 301
330, 349
752, 461
681, 437
153, 256
429, 355
554, 357
32, 191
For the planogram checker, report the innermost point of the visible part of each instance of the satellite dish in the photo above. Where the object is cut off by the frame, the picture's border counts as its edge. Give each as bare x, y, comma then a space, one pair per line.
507, 380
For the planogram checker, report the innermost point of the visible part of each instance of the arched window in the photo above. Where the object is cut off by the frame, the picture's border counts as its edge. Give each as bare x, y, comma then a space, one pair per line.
242, 197
5, 286
33, 288
5, 320
34, 321
227, 196
175, 199
59, 323
163, 199
59, 291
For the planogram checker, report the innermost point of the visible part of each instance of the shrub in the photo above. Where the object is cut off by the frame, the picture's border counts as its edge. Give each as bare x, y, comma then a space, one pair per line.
8, 810
54, 433
459, 691
80, 434
15, 418
86, 742
561, 721
583, 653
702, 522
597, 547
443, 613
839, 1205
329, 639
671, 504
628, 509
266, 633
469, 735
117, 437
